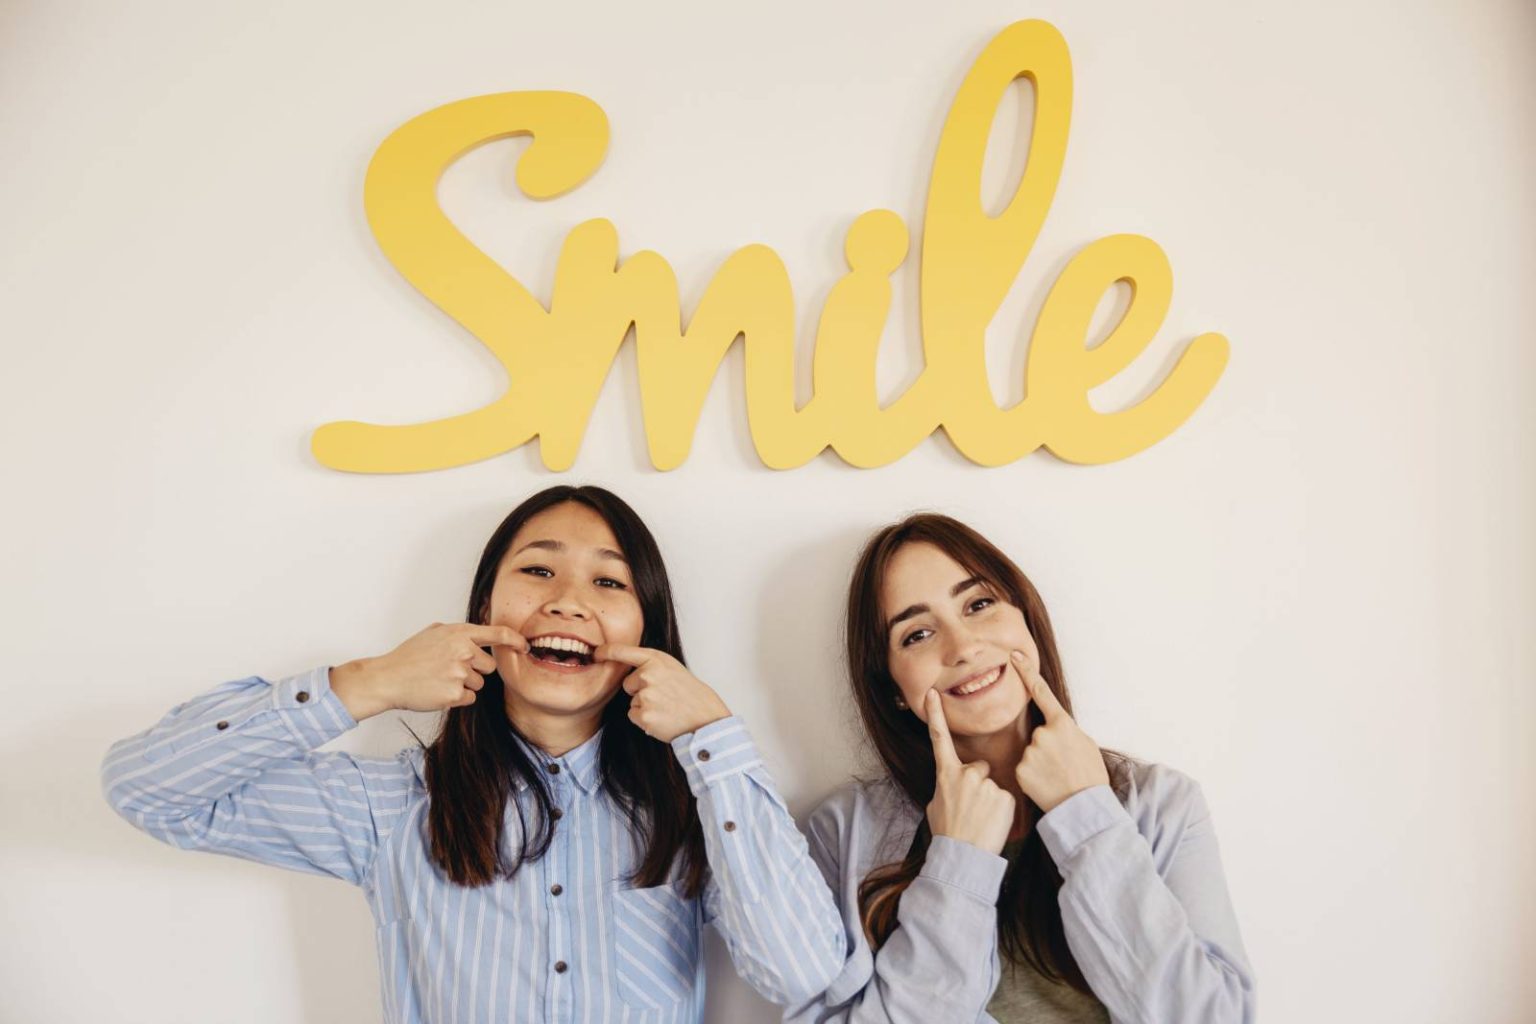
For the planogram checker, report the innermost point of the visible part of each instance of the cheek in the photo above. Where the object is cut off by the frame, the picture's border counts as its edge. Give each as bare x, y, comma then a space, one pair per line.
914, 676
622, 623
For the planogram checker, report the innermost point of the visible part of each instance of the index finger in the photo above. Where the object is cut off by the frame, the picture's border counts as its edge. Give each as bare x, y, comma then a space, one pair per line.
944, 756
626, 653
495, 636
1039, 690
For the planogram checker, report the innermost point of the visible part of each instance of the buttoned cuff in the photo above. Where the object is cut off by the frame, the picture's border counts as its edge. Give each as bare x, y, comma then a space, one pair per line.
1078, 819
718, 750
310, 708
963, 866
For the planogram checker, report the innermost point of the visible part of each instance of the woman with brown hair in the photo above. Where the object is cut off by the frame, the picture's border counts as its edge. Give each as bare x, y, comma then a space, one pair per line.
588, 806
1006, 867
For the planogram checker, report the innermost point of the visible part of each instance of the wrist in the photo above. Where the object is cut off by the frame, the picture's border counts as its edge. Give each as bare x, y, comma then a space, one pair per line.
356, 685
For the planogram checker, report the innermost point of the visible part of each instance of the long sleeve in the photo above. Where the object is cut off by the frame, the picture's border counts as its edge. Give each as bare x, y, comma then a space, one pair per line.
1148, 917
234, 771
940, 962
764, 894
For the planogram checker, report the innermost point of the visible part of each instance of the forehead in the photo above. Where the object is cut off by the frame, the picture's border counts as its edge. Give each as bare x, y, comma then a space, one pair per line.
919, 573
576, 526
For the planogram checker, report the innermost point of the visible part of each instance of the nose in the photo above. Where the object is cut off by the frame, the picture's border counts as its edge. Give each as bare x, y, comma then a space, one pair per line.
961, 646
566, 603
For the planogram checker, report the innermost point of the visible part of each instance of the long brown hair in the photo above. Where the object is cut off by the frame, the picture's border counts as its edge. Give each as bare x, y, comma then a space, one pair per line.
472, 766
1028, 916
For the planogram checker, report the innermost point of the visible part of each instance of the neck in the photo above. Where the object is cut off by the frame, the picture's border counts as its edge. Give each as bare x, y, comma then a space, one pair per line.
553, 734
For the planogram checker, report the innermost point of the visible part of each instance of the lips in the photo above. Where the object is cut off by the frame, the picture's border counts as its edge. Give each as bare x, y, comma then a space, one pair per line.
977, 684
560, 651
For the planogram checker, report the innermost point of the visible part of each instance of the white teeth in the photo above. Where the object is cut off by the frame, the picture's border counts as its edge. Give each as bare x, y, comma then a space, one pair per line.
976, 684
562, 643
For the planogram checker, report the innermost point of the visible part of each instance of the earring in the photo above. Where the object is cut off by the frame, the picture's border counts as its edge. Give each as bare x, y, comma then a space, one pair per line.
901, 705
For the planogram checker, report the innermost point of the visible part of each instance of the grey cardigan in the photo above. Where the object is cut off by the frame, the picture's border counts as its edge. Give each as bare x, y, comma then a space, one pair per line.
1143, 901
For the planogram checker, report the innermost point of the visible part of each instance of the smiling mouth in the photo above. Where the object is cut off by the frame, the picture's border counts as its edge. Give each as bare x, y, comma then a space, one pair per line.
561, 651
976, 684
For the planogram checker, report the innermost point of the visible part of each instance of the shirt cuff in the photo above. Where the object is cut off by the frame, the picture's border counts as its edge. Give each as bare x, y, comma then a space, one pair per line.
715, 751
310, 708
966, 867
1078, 819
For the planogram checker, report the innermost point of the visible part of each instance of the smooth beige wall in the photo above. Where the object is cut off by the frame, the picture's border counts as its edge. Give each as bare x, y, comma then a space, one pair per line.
1315, 597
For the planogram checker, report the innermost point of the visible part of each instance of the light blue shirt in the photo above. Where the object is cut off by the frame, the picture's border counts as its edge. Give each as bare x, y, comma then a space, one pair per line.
566, 938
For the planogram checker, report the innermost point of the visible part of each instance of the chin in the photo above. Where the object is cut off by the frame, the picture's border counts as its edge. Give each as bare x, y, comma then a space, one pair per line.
985, 722
567, 695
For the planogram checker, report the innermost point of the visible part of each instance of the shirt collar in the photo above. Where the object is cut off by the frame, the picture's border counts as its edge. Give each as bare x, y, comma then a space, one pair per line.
580, 763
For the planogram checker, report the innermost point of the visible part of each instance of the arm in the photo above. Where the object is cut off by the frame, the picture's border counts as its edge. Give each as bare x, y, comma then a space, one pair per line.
1150, 924
940, 962
764, 893
234, 771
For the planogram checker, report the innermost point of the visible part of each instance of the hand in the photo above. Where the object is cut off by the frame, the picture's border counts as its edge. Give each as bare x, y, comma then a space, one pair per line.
966, 804
1061, 759
666, 700
443, 666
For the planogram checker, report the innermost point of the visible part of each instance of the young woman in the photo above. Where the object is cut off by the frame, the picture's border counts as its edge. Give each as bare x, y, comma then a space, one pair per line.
1006, 867
546, 858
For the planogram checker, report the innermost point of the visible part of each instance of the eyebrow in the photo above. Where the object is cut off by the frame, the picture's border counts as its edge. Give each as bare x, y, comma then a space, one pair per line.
914, 610
559, 546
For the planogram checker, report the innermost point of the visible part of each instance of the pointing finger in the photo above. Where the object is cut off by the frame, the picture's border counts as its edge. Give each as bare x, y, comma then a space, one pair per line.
626, 653
497, 636
1039, 691
944, 757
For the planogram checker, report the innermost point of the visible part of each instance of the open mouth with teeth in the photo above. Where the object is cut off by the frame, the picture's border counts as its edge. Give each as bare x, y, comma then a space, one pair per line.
562, 651
976, 684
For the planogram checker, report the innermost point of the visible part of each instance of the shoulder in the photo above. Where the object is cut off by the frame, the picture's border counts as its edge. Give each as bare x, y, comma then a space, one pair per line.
864, 820
401, 778
1164, 802
857, 802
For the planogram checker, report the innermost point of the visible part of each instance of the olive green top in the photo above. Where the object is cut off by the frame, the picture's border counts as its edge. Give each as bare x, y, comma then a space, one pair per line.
1025, 996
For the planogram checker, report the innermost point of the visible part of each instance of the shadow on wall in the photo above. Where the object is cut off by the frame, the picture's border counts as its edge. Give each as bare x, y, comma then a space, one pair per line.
797, 660
331, 928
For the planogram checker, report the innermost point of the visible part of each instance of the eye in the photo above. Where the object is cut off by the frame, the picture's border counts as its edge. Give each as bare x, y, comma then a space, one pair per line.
980, 603
609, 583
916, 636
536, 570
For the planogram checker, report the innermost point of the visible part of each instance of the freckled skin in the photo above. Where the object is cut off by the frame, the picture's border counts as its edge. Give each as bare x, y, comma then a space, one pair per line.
959, 636
577, 591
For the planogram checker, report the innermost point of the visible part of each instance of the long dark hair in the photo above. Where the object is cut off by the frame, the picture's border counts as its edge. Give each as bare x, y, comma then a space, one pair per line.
1028, 916
472, 766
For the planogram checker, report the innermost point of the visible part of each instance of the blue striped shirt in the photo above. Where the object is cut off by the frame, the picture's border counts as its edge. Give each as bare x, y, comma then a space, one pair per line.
235, 771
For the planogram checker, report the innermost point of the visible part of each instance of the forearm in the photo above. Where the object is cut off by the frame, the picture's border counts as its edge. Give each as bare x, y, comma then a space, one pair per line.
1133, 936
167, 778
766, 896
939, 963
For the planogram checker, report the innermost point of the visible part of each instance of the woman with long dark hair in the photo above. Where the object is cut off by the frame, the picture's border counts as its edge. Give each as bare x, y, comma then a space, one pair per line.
1006, 867
588, 805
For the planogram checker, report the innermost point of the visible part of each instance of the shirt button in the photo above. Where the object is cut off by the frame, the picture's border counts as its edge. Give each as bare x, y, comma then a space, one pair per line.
222, 725
730, 826
554, 769
556, 814
703, 755
560, 967
556, 889
301, 696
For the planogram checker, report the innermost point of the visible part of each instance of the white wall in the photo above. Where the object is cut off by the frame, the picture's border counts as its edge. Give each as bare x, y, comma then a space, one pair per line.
1313, 597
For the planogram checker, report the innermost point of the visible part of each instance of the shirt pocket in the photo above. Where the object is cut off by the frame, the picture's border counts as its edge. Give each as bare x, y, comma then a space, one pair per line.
655, 945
